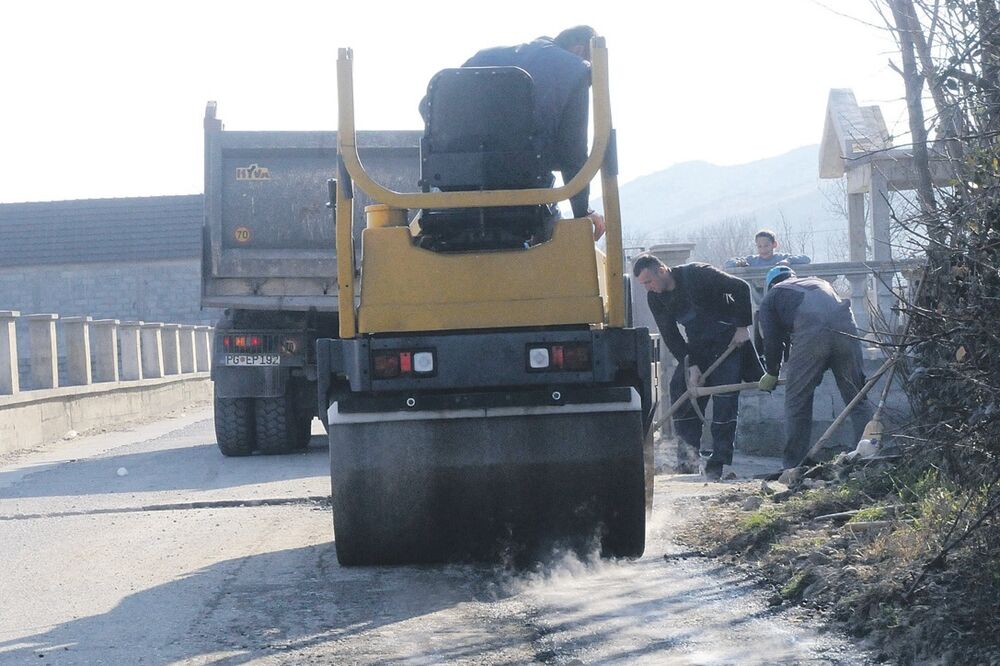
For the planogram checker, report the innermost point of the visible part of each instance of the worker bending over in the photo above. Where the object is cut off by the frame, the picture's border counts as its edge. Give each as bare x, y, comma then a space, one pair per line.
714, 309
807, 314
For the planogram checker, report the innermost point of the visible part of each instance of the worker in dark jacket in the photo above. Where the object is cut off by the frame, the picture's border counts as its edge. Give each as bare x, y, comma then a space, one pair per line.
560, 71
714, 309
807, 314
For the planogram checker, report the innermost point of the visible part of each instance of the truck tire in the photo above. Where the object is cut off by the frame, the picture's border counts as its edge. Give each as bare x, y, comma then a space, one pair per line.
234, 426
281, 428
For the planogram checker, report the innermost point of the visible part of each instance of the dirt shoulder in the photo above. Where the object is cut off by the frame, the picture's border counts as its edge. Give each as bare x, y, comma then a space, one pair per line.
858, 545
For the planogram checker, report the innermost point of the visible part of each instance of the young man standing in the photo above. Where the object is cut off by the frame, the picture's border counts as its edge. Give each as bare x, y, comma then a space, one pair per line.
714, 309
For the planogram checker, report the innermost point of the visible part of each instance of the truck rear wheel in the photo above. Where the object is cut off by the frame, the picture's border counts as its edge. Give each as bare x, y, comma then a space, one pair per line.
234, 426
281, 428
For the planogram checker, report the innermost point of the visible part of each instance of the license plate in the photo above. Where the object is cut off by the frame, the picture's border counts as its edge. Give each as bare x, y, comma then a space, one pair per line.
253, 359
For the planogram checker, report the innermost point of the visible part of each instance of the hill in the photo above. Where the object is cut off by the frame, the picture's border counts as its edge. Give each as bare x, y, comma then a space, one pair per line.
688, 200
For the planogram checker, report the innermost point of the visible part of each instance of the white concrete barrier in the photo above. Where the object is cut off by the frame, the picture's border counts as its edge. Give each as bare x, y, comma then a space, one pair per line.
96, 393
152, 350
203, 348
131, 352
31, 418
9, 381
171, 349
186, 343
76, 334
44, 357
104, 348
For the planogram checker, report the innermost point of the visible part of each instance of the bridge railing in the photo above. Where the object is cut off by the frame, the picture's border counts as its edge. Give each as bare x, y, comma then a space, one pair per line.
101, 351
874, 287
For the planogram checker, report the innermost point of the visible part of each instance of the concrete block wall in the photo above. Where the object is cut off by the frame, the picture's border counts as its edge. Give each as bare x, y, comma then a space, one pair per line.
762, 416
166, 291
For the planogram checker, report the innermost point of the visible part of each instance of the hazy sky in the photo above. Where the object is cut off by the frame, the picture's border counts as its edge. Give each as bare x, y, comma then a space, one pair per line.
105, 99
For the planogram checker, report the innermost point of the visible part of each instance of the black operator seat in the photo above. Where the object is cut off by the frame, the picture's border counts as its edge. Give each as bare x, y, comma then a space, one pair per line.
480, 135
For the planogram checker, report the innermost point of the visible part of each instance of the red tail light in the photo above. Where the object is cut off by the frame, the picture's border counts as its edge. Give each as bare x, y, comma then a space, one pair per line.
385, 364
568, 357
392, 363
258, 343
576, 357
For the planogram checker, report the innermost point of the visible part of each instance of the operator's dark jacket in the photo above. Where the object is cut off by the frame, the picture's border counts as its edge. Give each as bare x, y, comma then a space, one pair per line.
561, 84
709, 303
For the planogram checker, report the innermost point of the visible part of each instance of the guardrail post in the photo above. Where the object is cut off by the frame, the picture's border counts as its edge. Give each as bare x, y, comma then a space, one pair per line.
202, 348
9, 384
104, 347
152, 350
131, 355
44, 358
171, 349
76, 334
859, 302
186, 339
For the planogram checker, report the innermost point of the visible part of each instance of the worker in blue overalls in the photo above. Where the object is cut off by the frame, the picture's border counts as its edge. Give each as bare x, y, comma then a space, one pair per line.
809, 315
714, 309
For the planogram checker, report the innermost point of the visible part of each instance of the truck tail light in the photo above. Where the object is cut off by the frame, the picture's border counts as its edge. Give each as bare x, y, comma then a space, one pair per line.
393, 363
567, 356
250, 343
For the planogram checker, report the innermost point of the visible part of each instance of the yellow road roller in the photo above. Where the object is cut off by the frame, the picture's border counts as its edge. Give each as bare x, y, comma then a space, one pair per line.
486, 397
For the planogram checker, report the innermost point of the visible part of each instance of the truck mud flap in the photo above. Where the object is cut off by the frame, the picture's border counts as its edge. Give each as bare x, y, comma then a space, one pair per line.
506, 483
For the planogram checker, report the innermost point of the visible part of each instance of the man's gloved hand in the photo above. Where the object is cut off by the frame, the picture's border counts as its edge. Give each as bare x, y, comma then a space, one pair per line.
767, 383
741, 262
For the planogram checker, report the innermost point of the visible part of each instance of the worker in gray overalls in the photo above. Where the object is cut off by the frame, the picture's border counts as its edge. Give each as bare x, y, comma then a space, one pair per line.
809, 315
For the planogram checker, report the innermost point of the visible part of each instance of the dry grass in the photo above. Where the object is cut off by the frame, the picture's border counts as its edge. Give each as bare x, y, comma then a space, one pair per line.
863, 577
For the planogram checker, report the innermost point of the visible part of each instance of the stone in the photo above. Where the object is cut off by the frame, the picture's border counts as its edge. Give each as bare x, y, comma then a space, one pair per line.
752, 503
790, 476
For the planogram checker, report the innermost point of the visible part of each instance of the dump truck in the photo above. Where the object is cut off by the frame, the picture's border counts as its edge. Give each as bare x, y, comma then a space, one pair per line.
485, 396
269, 262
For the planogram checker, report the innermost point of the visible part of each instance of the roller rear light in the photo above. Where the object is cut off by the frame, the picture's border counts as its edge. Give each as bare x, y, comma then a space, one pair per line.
393, 363
563, 356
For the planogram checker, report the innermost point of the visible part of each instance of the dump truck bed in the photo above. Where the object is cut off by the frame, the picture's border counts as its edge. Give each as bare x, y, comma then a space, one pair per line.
268, 236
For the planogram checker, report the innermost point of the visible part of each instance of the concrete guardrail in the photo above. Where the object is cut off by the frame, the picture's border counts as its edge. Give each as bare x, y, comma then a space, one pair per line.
114, 372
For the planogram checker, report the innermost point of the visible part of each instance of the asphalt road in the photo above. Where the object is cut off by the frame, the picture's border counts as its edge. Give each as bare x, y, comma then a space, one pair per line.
149, 547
